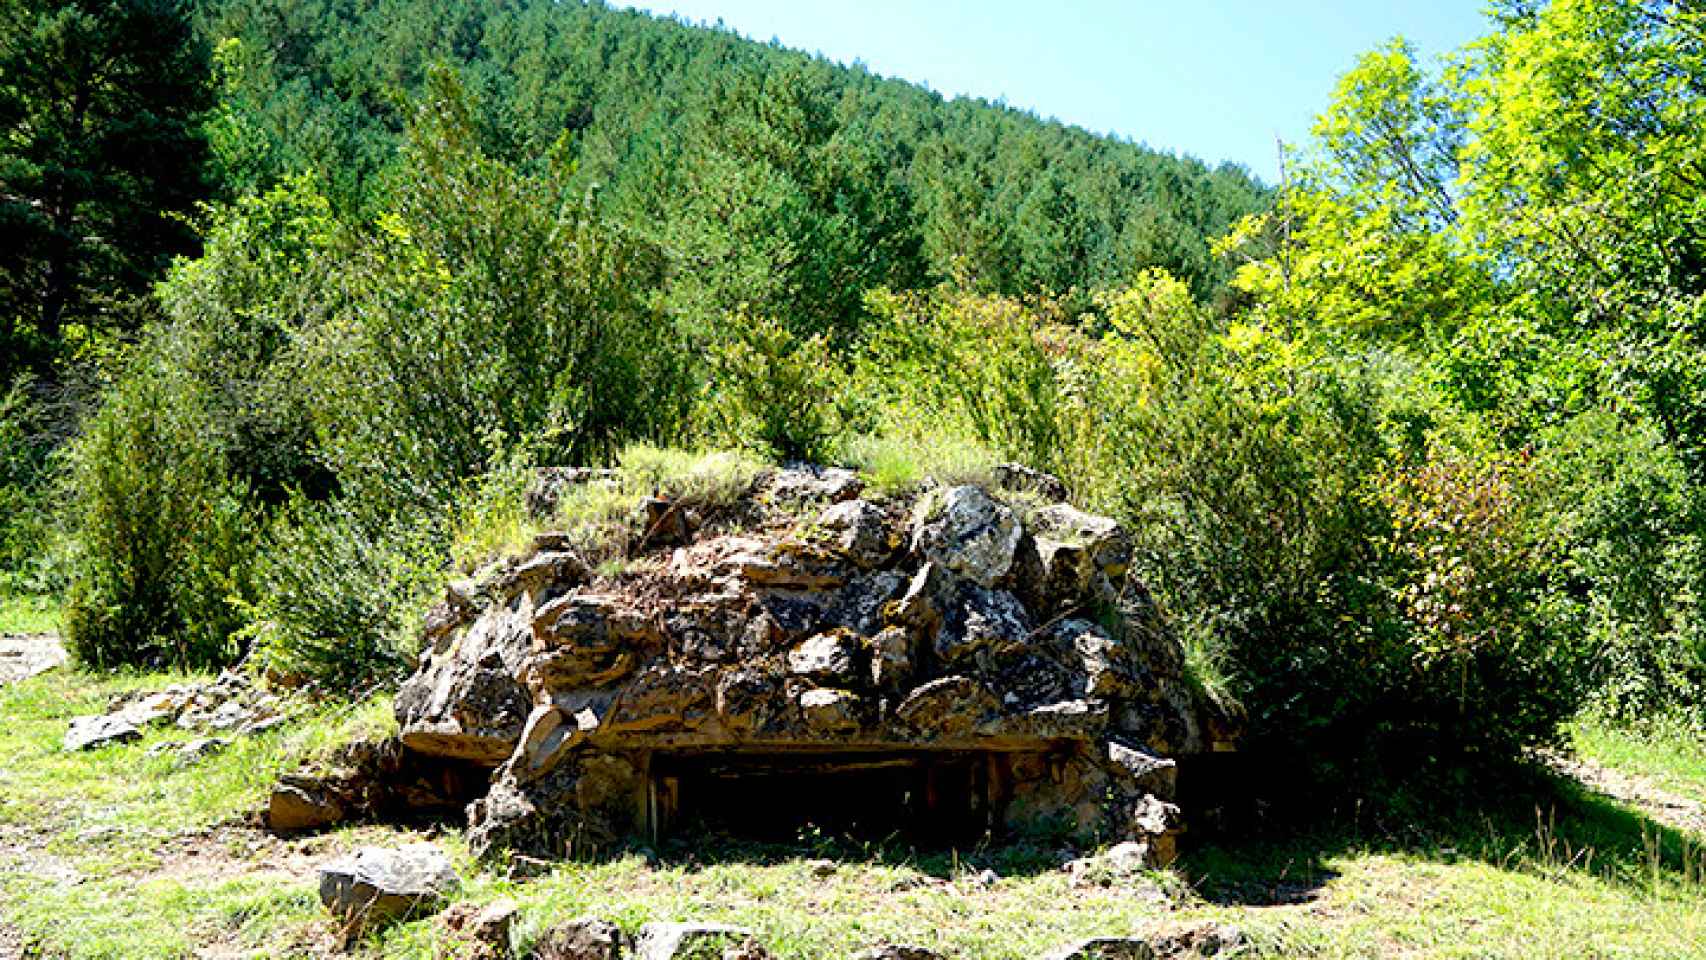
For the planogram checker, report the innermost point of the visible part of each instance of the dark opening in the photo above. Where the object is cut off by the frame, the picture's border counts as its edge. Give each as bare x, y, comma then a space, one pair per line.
938, 798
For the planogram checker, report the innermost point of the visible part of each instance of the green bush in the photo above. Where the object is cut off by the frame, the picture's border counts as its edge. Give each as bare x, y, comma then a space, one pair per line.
340, 594
987, 369
771, 389
162, 539
26, 519
1626, 528
488, 303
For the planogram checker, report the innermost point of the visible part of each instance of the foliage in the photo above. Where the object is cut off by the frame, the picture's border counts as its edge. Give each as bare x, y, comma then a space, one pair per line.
772, 178
339, 594
959, 364
26, 527
101, 159
164, 538
489, 307
772, 388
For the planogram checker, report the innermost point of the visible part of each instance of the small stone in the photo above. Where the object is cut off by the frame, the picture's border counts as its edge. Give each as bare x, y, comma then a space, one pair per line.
892, 659
830, 712
746, 950
1105, 948
1127, 857
821, 868
588, 938
486, 930
825, 657
199, 749
302, 805
1017, 476
984, 879
687, 941
897, 951
379, 885
154, 709
94, 732
861, 531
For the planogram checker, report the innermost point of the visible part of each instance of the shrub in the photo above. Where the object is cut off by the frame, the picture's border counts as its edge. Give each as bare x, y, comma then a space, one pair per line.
488, 303
340, 593
1625, 528
25, 480
771, 389
163, 541
985, 368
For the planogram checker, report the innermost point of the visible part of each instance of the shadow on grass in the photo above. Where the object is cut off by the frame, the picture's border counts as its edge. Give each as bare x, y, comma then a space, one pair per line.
1516, 816
699, 847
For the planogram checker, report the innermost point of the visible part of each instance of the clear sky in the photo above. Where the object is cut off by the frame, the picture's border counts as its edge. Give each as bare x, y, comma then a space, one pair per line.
1216, 79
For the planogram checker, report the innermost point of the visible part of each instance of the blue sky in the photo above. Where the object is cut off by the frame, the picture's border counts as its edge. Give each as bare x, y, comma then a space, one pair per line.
1216, 79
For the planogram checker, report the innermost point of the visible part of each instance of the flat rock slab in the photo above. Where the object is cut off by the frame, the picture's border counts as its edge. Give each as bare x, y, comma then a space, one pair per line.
24, 655
379, 885
94, 732
1105, 948
687, 941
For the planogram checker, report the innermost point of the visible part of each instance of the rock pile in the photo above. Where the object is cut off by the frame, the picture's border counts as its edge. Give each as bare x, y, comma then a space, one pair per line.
230, 704
806, 624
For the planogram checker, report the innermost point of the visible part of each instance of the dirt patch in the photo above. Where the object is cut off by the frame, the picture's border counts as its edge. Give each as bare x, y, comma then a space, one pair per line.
11, 943
23, 655
1671, 809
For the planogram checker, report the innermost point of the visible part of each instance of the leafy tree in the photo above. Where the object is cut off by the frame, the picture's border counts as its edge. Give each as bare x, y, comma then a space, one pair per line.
102, 156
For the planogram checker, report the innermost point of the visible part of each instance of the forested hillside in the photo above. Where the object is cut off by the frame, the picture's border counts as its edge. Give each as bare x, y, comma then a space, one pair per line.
766, 176
842, 180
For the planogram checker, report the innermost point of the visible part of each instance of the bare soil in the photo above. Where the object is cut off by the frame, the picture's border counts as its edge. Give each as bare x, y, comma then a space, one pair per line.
1671, 809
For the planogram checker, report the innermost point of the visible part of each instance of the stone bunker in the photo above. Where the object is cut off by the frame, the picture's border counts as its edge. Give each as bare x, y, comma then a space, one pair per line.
941, 664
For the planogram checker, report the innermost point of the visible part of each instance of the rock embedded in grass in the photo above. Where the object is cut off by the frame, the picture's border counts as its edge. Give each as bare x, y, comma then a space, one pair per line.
483, 932
95, 732
689, 941
380, 885
1105, 948
587, 938
897, 951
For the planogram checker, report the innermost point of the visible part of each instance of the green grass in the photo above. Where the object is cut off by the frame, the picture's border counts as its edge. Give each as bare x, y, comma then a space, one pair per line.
599, 516
28, 613
895, 464
1668, 750
116, 854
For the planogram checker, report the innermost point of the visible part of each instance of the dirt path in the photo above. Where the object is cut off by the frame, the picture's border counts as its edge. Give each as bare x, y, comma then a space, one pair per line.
23, 655
1671, 809
11, 943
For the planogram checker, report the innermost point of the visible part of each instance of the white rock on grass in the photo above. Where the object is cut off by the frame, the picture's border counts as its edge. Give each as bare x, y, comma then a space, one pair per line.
94, 732
687, 941
379, 885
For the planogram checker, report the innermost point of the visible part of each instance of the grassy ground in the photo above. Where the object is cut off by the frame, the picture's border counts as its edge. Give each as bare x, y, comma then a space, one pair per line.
119, 854
1665, 750
28, 614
